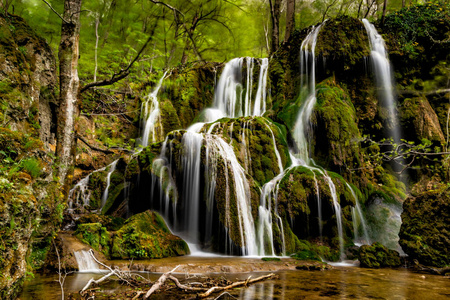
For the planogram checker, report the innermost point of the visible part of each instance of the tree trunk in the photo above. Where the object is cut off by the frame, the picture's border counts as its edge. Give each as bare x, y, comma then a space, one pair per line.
69, 86
384, 12
290, 19
275, 14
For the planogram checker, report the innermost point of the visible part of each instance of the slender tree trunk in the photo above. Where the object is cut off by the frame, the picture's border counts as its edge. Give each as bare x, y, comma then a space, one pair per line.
275, 14
69, 86
403, 3
290, 19
97, 21
384, 12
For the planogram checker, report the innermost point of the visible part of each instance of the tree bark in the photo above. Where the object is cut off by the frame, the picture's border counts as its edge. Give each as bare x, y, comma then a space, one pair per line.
290, 19
69, 86
275, 14
384, 12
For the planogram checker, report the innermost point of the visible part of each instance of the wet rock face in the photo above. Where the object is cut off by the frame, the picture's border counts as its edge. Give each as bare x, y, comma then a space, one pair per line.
424, 234
28, 80
30, 208
378, 256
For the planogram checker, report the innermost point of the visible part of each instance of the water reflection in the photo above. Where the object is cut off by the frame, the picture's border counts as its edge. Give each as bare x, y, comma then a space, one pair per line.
340, 283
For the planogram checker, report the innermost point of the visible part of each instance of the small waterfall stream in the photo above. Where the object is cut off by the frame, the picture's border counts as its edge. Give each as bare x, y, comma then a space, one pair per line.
85, 262
112, 168
384, 77
152, 119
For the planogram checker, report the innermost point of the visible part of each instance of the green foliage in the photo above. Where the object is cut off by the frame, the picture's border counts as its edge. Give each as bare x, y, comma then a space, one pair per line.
418, 22
270, 259
32, 167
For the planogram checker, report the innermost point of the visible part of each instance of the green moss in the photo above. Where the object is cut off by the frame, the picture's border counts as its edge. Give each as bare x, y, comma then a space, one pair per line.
270, 259
378, 256
424, 233
89, 233
145, 235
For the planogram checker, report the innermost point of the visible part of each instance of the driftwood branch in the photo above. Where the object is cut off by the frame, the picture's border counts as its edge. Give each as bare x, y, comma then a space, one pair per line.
234, 285
93, 147
159, 283
185, 287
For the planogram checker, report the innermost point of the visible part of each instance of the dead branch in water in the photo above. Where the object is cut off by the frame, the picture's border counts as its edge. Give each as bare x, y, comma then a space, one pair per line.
245, 283
123, 276
159, 283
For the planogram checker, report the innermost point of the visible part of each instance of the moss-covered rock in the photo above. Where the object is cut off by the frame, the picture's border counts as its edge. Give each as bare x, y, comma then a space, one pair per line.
28, 80
419, 121
343, 42
337, 149
146, 235
378, 256
424, 233
30, 208
187, 91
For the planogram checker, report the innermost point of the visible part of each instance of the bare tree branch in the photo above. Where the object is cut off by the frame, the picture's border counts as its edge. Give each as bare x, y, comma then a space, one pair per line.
123, 72
55, 12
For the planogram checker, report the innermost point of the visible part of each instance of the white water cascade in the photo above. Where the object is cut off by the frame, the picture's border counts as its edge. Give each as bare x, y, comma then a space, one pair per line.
383, 77
86, 263
359, 222
303, 128
112, 168
229, 98
152, 119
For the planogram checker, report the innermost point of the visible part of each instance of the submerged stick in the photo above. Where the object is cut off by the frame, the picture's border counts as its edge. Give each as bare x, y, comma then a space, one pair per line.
159, 283
234, 285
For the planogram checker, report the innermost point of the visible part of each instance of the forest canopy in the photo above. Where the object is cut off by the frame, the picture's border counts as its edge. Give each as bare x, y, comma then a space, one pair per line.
113, 31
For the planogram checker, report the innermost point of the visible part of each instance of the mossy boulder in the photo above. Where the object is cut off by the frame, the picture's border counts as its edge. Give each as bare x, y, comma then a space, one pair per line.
298, 203
419, 121
146, 235
343, 42
424, 233
256, 141
185, 92
337, 148
378, 256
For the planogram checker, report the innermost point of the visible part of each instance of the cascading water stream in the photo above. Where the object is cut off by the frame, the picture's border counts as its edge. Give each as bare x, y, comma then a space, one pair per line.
151, 116
303, 128
358, 221
384, 77
85, 262
112, 168
229, 98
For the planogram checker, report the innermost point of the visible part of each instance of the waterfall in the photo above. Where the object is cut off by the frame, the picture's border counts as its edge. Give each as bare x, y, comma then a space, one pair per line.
85, 262
112, 168
80, 194
358, 221
383, 76
269, 192
152, 119
229, 98
303, 128
192, 142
